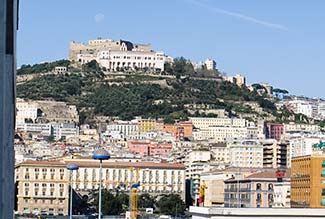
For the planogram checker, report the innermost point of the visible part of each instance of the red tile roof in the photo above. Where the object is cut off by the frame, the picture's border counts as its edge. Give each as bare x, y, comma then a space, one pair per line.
268, 174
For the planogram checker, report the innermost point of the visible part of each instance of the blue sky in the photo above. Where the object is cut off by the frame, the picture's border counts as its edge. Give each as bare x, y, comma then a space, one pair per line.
279, 42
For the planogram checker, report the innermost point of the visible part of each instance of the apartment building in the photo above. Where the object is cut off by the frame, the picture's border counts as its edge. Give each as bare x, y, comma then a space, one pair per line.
294, 127
253, 191
302, 145
147, 125
185, 127
124, 127
221, 133
276, 154
221, 152
43, 185
274, 130
308, 181
150, 148
206, 122
57, 130
246, 153
215, 182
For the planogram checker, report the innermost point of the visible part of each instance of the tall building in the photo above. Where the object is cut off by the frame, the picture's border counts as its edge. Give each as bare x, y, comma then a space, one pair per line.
246, 153
43, 185
276, 154
308, 181
8, 27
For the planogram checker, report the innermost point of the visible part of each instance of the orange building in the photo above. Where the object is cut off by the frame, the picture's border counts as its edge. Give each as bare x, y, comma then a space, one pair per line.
187, 128
308, 182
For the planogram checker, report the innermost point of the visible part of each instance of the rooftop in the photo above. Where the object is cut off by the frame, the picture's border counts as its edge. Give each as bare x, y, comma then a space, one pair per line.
107, 164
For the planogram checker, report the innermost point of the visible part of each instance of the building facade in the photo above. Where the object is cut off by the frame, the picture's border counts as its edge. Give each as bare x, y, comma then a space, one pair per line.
43, 185
274, 130
276, 154
247, 153
117, 55
308, 182
253, 191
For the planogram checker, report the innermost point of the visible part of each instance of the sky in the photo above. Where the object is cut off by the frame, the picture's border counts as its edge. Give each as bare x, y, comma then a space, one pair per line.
278, 42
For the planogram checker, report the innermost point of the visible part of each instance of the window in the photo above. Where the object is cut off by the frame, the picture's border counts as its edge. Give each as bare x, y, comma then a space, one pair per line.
323, 201
258, 197
258, 186
270, 187
323, 173
323, 163
323, 192
323, 181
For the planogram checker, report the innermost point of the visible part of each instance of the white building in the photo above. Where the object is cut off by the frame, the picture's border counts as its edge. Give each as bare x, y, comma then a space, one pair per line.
205, 122
247, 153
113, 60
295, 127
303, 145
282, 194
221, 133
60, 69
210, 64
26, 110
117, 55
198, 156
124, 127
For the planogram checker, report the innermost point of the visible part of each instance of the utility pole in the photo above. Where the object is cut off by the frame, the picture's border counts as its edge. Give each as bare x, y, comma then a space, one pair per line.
8, 27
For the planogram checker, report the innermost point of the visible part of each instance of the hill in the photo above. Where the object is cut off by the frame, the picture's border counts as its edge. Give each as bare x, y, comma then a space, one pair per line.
150, 96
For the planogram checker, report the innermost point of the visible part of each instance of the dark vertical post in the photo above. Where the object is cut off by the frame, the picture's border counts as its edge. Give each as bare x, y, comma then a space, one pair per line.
8, 27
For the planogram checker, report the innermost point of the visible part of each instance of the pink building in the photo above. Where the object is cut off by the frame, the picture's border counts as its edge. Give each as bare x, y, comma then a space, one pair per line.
150, 148
161, 148
141, 148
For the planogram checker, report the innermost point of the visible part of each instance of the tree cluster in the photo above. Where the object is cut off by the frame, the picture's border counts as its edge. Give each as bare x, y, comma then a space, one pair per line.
116, 203
42, 67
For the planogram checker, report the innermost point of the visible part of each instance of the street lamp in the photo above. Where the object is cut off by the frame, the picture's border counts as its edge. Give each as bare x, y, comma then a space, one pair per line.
71, 167
100, 155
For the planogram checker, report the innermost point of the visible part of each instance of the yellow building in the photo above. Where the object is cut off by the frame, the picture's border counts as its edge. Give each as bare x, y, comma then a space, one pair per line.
308, 181
147, 125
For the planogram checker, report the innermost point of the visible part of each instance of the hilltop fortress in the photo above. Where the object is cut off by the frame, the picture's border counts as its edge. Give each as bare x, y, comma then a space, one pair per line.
116, 55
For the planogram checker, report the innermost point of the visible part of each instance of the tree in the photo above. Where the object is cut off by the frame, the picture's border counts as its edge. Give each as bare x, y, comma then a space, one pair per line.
112, 204
146, 201
171, 204
42, 67
182, 67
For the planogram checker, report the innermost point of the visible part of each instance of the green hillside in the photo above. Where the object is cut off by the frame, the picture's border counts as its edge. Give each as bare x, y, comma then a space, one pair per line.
141, 95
